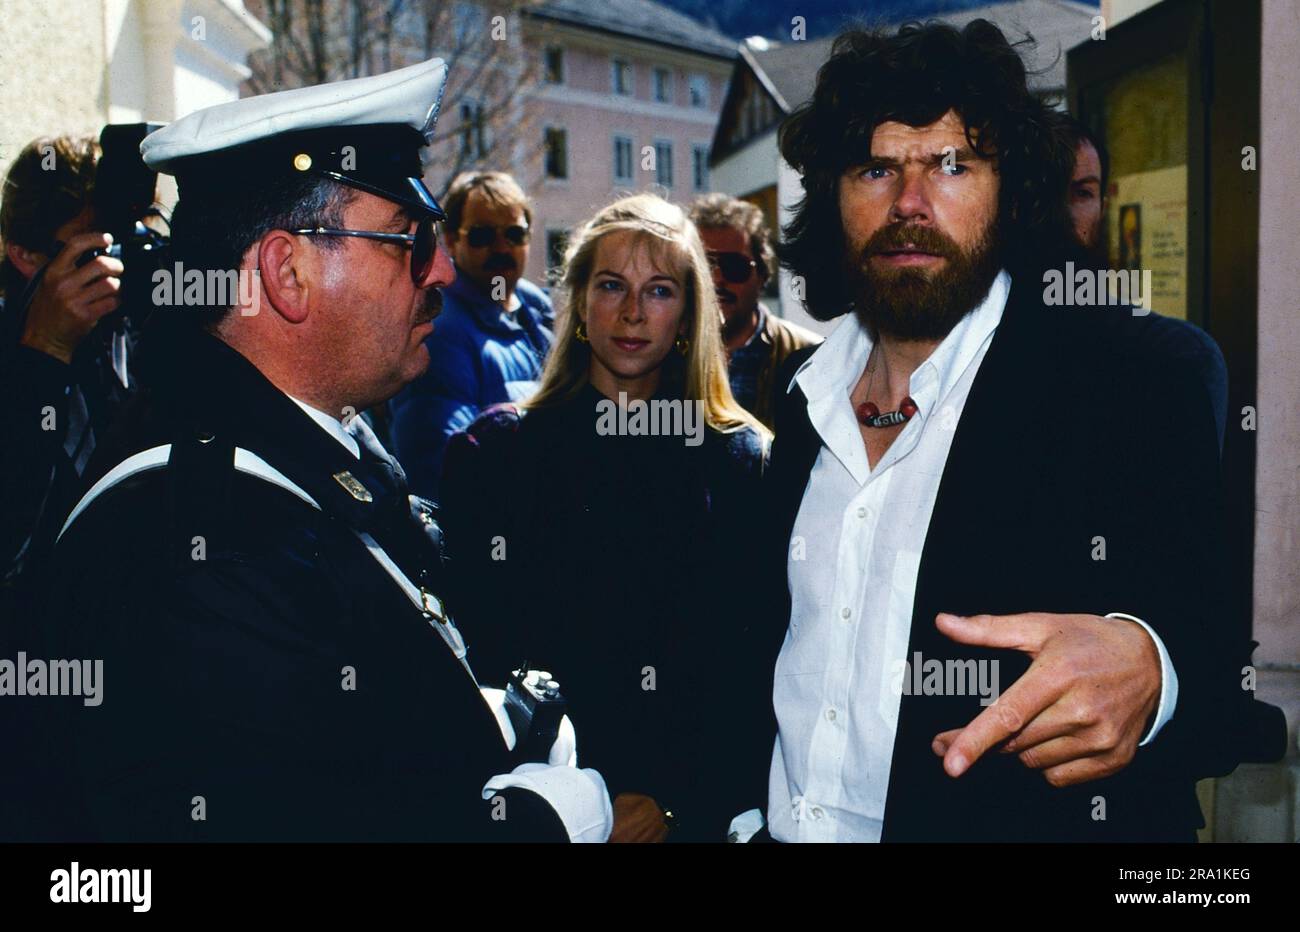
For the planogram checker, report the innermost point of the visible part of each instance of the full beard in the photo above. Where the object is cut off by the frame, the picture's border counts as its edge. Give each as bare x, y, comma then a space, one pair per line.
911, 303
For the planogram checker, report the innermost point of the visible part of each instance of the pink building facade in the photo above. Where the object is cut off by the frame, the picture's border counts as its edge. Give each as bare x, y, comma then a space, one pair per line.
611, 113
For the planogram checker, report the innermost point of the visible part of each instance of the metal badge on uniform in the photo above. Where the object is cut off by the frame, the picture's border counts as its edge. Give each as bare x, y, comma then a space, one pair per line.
353, 486
425, 512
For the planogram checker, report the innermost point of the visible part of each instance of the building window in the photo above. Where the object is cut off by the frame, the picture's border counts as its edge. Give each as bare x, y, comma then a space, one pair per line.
473, 134
623, 159
556, 242
554, 65
556, 142
699, 85
663, 82
664, 162
622, 77
700, 167
468, 21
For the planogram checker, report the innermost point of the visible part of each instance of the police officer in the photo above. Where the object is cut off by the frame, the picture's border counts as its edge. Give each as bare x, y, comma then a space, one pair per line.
261, 588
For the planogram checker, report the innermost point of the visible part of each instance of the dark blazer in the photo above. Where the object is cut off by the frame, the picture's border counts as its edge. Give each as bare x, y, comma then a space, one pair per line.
224, 675
1070, 433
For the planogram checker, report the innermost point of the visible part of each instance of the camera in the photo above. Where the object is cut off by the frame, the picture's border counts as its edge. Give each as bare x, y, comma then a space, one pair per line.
125, 193
535, 708
124, 197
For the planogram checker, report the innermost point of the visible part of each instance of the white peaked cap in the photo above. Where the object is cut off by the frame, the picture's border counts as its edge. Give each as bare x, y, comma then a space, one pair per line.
406, 97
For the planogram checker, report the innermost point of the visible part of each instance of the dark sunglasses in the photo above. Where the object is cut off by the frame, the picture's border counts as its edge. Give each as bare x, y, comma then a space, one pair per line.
423, 244
484, 235
735, 267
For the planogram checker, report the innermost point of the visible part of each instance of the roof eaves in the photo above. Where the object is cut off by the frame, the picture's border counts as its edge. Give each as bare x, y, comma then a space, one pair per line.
710, 49
763, 78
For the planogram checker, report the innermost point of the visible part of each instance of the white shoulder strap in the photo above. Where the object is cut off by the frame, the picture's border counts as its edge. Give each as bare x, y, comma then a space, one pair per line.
157, 458
248, 462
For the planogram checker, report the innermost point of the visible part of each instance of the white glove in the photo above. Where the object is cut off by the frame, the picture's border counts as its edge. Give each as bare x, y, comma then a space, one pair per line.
579, 797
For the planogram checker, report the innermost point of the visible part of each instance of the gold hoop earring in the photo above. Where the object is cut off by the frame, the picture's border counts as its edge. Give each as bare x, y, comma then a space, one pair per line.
581, 332
682, 345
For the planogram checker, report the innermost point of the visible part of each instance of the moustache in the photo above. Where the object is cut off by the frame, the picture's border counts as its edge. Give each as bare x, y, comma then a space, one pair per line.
726, 296
902, 236
432, 306
499, 262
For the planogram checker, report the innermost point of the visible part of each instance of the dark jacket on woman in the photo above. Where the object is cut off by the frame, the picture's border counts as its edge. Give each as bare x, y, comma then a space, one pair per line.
622, 565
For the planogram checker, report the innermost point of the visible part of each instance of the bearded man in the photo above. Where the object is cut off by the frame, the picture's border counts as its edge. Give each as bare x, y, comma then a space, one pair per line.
998, 525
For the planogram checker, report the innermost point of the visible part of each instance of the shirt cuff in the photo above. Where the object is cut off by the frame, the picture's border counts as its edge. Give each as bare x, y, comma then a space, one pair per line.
745, 826
1168, 680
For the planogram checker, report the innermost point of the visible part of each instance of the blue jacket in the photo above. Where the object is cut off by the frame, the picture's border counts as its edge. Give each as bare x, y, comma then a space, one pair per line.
478, 356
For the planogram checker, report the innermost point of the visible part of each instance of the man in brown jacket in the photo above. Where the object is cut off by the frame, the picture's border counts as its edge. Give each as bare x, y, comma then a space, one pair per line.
757, 341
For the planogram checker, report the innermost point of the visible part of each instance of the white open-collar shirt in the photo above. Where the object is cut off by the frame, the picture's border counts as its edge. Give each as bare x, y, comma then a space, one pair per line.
854, 554
331, 425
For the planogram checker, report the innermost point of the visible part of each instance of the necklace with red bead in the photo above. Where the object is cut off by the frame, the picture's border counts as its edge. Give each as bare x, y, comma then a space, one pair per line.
869, 414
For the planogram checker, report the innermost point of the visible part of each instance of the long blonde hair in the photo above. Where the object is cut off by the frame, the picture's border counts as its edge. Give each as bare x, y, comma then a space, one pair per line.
669, 233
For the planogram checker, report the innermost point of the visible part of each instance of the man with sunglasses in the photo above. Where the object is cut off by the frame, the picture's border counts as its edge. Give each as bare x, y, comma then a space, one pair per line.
495, 329
262, 589
757, 341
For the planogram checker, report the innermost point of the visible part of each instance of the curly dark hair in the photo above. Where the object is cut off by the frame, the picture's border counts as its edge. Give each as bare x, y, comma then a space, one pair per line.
915, 77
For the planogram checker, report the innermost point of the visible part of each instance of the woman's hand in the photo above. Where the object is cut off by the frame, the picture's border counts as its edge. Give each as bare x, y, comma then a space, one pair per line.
638, 818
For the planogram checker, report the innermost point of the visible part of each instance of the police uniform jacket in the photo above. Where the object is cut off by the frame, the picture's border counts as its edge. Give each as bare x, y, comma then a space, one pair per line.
264, 677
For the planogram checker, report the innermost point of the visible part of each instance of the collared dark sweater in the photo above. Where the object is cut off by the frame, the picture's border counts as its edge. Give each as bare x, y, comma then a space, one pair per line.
622, 566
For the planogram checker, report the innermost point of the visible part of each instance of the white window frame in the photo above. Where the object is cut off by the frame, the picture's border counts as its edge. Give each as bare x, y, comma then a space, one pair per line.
630, 177
703, 81
668, 84
546, 52
546, 151
467, 18
474, 152
614, 64
659, 144
546, 246
702, 150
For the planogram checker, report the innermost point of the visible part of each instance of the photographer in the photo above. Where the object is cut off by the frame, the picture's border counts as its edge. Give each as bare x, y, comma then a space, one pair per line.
63, 375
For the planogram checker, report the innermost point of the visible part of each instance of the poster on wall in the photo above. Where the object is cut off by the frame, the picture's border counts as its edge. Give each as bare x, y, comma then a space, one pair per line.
1147, 221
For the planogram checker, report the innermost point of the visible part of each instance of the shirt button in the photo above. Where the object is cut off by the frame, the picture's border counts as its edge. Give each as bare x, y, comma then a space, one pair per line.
862, 512
817, 813
846, 613
830, 715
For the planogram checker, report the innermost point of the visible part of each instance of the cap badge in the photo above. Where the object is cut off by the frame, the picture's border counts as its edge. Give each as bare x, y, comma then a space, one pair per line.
353, 486
302, 161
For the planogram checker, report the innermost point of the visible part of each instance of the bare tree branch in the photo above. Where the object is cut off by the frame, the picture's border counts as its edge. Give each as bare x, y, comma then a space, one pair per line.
491, 68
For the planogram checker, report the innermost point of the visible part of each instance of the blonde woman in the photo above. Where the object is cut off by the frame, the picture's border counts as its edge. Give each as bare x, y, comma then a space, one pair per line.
604, 529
